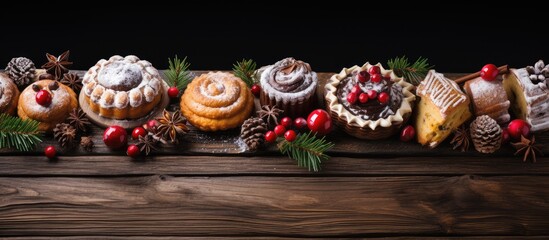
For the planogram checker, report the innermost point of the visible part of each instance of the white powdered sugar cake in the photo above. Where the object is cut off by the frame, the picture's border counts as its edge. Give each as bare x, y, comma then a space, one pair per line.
444, 93
8, 91
289, 80
122, 81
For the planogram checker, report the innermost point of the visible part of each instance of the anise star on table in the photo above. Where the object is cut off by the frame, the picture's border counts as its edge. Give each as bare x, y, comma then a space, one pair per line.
147, 143
64, 134
528, 147
73, 81
172, 125
79, 120
57, 66
270, 114
461, 138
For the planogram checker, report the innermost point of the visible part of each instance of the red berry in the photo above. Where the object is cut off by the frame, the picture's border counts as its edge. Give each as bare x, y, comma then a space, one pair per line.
376, 78
50, 152
356, 90
351, 98
388, 77
150, 125
407, 133
300, 123
505, 137
372, 94
286, 122
138, 131
173, 92
115, 137
489, 72
256, 89
133, 151
363, 98
270, 136
279, 130
383, 98
290, 135
43, 98
319, 122
518, 127
374, 69
363, 76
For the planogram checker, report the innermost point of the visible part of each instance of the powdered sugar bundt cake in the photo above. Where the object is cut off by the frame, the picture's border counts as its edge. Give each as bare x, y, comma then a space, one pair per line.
527, 90
9, 95
122, 87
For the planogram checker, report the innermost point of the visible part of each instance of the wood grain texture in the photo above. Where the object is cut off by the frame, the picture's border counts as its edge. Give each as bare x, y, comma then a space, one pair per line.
286, 207
267, 165
285, 238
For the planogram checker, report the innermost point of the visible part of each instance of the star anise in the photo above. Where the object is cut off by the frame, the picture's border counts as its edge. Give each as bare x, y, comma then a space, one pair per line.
147, 143
57, 65
172, 125
528, 147
73, 81
78, 119
64, 134
87, 143
270, 114
461, 138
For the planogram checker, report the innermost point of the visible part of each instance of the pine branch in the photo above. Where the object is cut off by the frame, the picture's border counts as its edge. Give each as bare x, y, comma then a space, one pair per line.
245, 70
22, 135
413, 73
178, 74
307, 150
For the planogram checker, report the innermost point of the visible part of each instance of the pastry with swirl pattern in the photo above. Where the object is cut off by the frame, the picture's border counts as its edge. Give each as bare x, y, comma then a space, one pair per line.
122, 87
9, 95
217, 101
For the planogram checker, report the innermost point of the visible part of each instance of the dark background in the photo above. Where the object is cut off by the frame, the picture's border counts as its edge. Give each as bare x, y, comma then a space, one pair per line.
455, 38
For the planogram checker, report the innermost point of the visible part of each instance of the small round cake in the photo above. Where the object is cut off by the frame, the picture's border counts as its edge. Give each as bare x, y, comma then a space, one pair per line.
290, 85
217, 101
9, 95
369, 102
48, 102
122, 87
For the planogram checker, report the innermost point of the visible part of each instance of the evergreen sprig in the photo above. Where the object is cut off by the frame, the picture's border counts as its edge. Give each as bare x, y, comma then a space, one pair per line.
245, 70
307, 150
178, 74
22, 135
413, 73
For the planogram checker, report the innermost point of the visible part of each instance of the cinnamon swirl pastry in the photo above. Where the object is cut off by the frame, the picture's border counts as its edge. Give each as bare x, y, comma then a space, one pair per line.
217, 101
48, 102
9, 95
122, 87
290, 85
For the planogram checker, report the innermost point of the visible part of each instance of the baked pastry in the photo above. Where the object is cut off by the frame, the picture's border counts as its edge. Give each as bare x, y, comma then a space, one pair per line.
290, 85
122, 87
442, 109
385, 105
9, 95
217, 101
60, 101
488, 98
527, 90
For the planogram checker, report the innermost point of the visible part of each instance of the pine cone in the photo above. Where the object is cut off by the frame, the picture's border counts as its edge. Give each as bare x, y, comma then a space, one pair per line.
253, 132
486, 134
21, 70
64, 134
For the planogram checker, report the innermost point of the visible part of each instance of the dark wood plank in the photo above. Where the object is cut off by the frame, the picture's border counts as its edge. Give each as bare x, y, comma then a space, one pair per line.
275, 165
286, 207
286, 238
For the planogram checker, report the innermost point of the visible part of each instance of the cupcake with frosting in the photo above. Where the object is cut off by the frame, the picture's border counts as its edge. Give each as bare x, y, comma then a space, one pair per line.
290, 85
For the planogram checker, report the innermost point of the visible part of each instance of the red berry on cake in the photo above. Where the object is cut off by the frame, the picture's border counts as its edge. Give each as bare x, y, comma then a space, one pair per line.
50, 152
351, 98
363, 98
376, 78
173, 92
290, 135
319, 122
372, 94
363, 76
138, 131
256, 89
373, 70
489, 72
270, 136
407, 133
279, 130
383, 98
43, 98
356, 90
286, 122
133, 151
517, 128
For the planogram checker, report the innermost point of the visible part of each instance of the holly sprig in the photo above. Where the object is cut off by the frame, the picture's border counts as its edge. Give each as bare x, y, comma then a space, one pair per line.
245, 70
307, 149
414, 72
22, 135
178, 74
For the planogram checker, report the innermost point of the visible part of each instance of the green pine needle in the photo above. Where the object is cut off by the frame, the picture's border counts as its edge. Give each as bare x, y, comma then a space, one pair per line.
245, 70
178, 74
22, 135
307, 150
413, 73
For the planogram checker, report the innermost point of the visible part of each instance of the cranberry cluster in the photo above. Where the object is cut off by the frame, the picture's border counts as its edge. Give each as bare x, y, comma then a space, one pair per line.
284, 129
373, 74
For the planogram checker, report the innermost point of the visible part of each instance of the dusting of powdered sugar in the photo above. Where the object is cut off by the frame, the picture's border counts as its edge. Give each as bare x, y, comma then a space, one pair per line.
309, 82
444, 92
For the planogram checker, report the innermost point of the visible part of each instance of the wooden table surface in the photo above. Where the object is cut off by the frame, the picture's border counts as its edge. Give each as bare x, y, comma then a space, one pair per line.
208, 186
